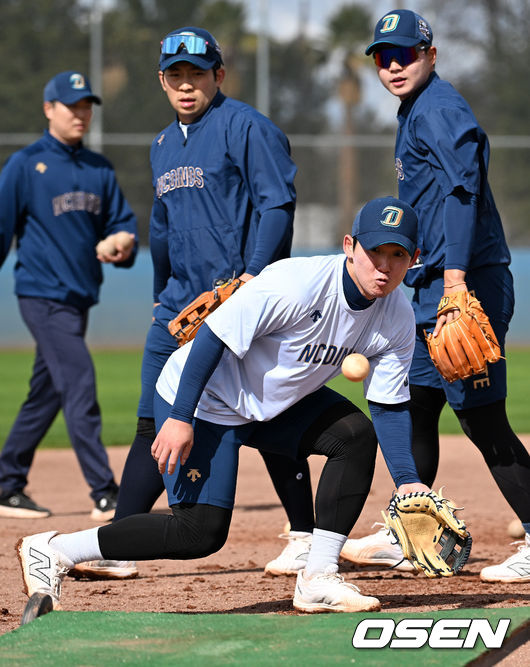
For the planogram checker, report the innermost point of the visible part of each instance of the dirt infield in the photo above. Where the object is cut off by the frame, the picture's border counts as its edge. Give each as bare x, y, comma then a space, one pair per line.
232, 580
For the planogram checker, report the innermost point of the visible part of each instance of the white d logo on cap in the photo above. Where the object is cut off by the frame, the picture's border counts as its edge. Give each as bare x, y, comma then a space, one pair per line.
391, 216
390, 22
77, 81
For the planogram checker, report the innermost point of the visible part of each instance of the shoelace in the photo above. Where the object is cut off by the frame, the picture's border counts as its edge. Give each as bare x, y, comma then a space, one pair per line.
393, 540
58, 581
337, 578
522, 546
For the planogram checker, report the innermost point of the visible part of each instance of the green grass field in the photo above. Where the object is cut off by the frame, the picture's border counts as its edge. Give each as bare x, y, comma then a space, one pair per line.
118, 377
62, 639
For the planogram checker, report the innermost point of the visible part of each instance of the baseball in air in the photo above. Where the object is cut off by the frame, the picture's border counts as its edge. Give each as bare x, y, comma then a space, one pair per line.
355, 367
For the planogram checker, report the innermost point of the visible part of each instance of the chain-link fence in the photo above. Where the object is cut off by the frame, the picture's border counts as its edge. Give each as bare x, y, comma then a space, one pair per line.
336, 175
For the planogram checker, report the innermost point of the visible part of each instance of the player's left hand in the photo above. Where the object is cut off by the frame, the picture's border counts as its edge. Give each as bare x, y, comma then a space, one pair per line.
245, 277
417, 487
174, 441
115, 248
124, 246
454, 281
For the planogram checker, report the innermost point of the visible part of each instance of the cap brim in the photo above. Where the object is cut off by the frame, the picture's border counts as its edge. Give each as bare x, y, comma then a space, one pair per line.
394, 41
198, 61
75, 97
372, 240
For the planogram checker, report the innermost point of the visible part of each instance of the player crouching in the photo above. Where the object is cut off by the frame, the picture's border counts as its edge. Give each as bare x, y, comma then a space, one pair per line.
256, 375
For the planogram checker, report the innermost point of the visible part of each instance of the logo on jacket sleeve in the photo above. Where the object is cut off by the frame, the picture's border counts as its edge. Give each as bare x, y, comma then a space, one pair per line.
40, 167
399, 170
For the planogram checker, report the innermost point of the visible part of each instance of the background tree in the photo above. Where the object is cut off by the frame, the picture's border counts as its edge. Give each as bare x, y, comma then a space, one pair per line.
484, 52
489, 40
349, 31
35, 36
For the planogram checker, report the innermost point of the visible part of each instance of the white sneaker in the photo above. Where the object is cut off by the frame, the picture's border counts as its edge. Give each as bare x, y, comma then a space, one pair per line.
514, 570
294, 556
105, 569
377, 549
43, 568
327, 591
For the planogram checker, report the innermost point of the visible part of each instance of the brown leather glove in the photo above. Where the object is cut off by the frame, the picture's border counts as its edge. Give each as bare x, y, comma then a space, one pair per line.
465, 345
184, 327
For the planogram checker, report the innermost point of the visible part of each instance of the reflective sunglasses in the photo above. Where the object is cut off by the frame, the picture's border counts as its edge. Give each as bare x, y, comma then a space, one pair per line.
193, 44
403, 54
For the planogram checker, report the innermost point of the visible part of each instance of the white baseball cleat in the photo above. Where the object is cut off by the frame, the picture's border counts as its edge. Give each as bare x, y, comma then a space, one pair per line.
514, 570
327, 591
377, 549
294, 556
105, 569
43, 568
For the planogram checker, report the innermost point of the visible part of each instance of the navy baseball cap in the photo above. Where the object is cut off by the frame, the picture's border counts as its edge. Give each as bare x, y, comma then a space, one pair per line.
401, 27
69, 87
194, 45
386, 220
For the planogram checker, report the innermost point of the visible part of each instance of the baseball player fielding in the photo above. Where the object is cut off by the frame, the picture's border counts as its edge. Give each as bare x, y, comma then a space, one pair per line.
355, 367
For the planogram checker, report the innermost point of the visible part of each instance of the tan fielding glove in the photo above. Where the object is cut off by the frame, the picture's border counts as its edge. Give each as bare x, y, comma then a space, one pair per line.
431, 537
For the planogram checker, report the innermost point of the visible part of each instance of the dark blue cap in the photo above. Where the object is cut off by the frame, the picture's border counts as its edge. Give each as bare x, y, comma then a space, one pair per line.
193, 45
69, 87
386, 220
401, 27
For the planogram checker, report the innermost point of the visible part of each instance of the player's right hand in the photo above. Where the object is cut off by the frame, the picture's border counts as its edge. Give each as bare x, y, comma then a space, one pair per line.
416, 487
174, 441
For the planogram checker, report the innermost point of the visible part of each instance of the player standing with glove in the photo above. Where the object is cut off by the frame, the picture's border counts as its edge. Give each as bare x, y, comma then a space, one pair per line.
255, 375
59, 200
442, 157
223, 207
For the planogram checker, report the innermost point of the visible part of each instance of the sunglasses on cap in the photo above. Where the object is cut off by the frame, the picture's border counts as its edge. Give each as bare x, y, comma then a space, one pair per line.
194, 45
403, 54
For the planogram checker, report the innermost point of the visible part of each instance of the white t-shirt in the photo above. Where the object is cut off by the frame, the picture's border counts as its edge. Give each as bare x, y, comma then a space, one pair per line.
288, 331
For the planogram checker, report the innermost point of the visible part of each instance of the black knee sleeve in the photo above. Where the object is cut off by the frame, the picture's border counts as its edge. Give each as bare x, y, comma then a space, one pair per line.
426, 404
292, 482
346, 436
141, 483
191, 531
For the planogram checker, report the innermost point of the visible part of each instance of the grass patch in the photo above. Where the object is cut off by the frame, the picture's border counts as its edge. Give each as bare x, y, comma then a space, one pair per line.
518, 365
118, 388
118, 382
